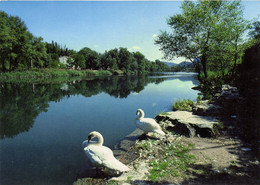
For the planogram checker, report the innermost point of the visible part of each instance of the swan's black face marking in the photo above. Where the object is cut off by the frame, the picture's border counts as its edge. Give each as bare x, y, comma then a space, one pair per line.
90, 137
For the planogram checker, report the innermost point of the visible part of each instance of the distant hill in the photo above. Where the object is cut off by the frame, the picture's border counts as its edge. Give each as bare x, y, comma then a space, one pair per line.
170, 64
183, 66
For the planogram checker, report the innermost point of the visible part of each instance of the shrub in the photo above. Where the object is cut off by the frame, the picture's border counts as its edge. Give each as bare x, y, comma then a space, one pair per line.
183, 105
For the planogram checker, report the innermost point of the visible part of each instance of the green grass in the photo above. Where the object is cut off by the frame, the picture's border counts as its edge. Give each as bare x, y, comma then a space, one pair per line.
183, 105
164, 113
174, 161
145, 145
42, 74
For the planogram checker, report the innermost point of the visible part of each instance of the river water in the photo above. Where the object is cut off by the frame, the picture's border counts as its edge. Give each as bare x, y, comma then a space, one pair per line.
43, 125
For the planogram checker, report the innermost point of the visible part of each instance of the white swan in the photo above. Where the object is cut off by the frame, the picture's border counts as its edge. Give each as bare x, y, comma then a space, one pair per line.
147, 124
102, 156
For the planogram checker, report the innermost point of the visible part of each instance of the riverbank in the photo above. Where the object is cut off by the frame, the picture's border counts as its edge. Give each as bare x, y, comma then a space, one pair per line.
223, 159
43, 74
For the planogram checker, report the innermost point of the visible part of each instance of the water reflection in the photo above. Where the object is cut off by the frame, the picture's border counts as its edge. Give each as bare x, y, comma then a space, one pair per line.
42, 125
21, 103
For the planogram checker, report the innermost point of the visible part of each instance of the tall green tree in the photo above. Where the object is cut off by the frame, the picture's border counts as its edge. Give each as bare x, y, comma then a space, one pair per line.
202, 29
91, 58
140, 59
19, 48
255, 30
124, 59
5, 41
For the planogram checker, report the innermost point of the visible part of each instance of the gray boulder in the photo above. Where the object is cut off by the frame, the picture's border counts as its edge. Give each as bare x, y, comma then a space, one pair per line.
204, 108
188, 124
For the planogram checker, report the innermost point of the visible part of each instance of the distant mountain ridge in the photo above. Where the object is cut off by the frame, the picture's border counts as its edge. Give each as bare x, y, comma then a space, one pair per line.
183, 66
170, 64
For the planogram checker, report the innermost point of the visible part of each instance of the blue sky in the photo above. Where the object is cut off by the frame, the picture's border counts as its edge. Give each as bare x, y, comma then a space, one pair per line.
103, 25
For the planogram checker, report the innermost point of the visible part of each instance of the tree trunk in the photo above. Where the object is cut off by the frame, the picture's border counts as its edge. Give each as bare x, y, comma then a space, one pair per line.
235, 59
3, 66
204, 57
204, 66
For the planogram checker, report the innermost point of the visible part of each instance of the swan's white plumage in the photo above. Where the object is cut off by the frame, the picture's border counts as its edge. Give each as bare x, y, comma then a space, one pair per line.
102, 156
147, 124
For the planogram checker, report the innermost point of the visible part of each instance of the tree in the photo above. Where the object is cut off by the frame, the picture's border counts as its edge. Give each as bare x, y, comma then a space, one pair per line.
91, 58
201, 30
255, 30
19, 48
79, 60
5, 41
140, 59
108, 61
124, 59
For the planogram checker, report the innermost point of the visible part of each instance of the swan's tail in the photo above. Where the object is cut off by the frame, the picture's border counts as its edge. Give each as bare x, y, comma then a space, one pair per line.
121, 167
159, 131
116, 165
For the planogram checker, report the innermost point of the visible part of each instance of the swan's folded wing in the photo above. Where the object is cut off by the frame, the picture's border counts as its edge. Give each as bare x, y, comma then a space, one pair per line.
114, 164
103, 156
93, 155
150, 123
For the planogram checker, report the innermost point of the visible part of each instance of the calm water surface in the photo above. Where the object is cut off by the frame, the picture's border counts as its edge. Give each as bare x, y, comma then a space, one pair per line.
42, 126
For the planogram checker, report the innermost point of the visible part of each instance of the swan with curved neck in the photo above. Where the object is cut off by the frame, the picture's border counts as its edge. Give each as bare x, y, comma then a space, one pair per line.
140, 113
147, 124
102, 156
98, 135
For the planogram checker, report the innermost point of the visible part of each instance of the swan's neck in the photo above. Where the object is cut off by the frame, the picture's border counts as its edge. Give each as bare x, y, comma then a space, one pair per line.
100, 139
140, 114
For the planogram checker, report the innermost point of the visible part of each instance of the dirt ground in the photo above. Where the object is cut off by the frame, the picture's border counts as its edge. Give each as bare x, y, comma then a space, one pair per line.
224, 160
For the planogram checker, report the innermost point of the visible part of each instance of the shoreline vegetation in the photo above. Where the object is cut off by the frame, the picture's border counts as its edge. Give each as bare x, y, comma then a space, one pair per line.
35, 75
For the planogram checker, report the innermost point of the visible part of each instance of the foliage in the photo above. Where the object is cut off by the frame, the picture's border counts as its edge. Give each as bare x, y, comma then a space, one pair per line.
183, 105
199, 98
20, 50
209, 34
35, 74
255, 30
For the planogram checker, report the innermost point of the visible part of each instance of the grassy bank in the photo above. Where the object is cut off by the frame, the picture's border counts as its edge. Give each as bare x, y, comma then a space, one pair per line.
168, 161
42, 74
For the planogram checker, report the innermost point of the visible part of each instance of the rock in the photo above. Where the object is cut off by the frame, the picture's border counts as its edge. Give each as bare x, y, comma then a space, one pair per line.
228, 93
188, 124
222, 101
204, 108
124, 149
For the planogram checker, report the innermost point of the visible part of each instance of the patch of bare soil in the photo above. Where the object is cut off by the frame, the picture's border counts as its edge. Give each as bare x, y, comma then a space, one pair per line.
223, 161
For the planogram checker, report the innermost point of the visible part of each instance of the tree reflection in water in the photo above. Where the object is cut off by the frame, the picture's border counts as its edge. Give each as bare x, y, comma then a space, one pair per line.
21, 103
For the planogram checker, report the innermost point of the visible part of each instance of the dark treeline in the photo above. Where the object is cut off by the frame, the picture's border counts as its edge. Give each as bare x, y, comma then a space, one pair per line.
114, 59
20, 50
21, 103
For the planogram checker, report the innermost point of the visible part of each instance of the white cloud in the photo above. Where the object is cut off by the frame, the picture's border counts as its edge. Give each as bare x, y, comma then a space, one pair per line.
135, 48
135, 93
155, 36
96, 46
